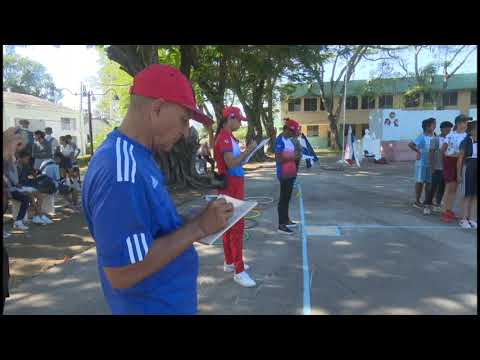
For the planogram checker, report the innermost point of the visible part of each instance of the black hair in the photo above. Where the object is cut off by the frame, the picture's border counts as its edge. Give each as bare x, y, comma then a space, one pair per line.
221, 123
459, 119
40, 133
446, 124
471, 125
23, 154
427, 122
48, 129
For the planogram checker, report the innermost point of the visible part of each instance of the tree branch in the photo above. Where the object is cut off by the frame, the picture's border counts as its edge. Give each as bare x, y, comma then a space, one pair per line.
463, 62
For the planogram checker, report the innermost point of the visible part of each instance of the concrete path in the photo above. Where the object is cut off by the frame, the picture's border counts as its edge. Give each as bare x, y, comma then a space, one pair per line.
359, 260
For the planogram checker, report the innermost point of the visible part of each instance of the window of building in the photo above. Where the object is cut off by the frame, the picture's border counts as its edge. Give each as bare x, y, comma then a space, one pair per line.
385, 101
35, 124
352, 103
368, 102
450, 98
310, 104
473, 97
312, 130
427, 98
294, 105
68, 124
412, 100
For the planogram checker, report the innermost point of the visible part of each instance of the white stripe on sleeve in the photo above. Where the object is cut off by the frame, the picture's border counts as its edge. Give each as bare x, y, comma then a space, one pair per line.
145, 247
119, 161
137, 246
134, 164
130, 251
127, 160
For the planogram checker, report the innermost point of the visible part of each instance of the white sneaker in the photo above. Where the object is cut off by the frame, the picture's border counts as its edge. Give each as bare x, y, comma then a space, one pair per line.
38, 220
244, 279
473, 224
465, 224
46, 219
427, 211
231, 267
19, 225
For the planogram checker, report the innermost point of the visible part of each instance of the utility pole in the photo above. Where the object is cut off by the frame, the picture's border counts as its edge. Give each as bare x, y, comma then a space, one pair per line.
82, 124
89, 94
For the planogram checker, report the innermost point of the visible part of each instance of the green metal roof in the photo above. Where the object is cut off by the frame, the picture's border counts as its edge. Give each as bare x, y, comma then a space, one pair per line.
388, 86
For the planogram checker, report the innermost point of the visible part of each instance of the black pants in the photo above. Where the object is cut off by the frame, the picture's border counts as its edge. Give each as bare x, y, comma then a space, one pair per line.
438, 186
24, 204
286, 187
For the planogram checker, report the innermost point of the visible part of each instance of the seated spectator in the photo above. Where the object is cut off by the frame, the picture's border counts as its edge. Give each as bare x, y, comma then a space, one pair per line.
69, 186
13, 141
26, 179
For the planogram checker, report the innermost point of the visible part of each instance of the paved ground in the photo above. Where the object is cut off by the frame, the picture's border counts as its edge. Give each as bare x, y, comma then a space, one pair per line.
360, 261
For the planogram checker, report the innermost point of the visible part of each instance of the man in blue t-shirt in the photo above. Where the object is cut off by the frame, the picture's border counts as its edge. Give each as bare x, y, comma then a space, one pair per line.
146, 259
423, 167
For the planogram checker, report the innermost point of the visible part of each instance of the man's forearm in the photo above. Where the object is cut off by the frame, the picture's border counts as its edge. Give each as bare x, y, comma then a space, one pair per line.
162, 252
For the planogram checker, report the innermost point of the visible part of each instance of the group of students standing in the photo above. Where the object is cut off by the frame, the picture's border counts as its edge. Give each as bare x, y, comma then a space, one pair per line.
445, 162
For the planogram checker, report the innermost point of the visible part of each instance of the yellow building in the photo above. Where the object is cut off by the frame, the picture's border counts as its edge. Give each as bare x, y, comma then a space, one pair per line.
305, 106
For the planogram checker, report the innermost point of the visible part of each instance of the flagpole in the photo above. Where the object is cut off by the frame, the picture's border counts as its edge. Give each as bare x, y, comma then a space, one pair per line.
344, 115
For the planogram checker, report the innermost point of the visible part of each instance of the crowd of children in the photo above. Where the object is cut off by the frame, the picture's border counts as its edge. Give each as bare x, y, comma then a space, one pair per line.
444, 163
34, 169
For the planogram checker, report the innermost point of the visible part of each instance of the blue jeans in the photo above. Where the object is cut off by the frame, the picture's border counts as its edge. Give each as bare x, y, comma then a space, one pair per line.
24, 203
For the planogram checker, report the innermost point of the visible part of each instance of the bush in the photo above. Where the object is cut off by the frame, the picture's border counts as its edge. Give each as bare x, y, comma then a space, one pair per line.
82, 161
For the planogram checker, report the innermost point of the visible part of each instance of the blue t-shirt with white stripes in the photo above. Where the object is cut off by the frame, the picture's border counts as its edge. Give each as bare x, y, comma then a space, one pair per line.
127, 206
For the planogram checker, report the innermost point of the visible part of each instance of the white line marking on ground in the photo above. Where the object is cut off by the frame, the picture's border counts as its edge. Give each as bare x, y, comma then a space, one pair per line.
306, 286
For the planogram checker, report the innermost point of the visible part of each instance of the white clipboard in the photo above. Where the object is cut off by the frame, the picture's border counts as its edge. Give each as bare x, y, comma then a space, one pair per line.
240, 209
262, 144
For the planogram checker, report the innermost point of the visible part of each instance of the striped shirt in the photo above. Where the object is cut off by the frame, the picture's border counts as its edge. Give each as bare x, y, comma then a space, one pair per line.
127, 206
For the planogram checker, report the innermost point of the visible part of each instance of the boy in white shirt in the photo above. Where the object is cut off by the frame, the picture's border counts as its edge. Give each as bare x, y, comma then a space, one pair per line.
451, 150
467, 176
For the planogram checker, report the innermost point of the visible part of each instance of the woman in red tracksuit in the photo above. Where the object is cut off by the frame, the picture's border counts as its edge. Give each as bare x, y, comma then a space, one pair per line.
229, 161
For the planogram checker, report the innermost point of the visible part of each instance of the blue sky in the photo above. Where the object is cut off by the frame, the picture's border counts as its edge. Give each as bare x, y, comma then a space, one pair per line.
71, 64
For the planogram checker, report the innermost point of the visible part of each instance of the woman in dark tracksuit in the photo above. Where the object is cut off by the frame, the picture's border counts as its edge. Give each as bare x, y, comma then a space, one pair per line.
285, 156
229, 161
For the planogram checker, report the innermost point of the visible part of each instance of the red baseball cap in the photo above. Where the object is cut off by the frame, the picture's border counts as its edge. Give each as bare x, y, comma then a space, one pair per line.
233, 112
293, 125
167, 82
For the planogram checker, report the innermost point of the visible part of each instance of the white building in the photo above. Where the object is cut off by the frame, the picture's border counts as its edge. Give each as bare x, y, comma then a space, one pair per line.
41, 114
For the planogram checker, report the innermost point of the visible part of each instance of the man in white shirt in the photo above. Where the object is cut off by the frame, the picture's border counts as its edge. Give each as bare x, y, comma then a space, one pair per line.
451, 150
53, 142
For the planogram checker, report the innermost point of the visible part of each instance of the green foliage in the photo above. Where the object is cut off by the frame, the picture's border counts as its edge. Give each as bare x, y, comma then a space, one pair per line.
82, 161
101, 136
241, 134
26, 76
110, 73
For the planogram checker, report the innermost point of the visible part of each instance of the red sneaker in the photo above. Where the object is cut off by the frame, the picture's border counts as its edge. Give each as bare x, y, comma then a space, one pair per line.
446, 217
451, 214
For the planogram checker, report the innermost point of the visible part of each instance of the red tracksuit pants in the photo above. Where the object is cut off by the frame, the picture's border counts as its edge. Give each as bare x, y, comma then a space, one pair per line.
233, 238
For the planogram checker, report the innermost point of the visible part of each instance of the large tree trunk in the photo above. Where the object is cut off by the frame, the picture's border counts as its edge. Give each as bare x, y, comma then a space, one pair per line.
334, 138
178, 165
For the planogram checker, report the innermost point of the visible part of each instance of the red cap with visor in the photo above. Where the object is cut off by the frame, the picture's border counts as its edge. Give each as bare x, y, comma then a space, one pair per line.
166, 82
233, 112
